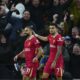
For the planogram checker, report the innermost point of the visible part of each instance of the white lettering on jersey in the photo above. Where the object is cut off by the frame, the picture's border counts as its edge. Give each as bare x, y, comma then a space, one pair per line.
60, 39
52, 46
26, 49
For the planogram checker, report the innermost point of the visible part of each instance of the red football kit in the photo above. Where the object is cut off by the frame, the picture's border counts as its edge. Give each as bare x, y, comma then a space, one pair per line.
30, 47
54, 43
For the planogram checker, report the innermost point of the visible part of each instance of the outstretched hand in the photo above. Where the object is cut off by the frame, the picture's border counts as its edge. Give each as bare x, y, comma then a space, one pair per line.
15, 58
13, 7
53, 64
34, 33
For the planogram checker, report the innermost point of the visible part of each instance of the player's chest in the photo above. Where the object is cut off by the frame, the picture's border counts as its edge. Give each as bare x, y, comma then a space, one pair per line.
53, 41
28, 44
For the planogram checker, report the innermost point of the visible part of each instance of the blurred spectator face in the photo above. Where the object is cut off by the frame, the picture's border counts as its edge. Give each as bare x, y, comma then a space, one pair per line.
2, 10
26, 15
5, 1
26, 1
62, 2
78, 3
71, 16
75, 32
61, 25
55, 2
76, 49
67, 40
35, 3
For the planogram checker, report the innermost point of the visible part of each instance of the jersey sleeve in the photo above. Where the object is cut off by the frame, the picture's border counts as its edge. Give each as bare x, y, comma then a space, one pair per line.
60, 41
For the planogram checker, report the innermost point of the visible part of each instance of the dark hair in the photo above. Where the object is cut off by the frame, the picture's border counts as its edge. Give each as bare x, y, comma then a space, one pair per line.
59, 29
29, 26
54, 24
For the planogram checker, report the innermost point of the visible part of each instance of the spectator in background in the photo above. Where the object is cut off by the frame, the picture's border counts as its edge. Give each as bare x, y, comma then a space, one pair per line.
5, 3
69, 22
75, 60
3, 19
18, 24
20, 8
67, 51
75, 34
6, 54
75, 10
36, 11
58, 7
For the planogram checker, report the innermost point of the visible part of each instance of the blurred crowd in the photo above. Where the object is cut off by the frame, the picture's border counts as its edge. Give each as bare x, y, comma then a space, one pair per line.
15, 15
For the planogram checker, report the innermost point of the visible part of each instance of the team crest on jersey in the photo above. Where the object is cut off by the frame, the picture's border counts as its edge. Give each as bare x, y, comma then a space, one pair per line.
37, 42
60, 39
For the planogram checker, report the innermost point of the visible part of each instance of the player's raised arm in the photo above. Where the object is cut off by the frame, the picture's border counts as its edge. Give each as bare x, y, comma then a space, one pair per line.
40, 37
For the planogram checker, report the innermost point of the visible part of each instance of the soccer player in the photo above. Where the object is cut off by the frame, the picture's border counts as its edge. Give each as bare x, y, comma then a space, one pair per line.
31, 52
55, 60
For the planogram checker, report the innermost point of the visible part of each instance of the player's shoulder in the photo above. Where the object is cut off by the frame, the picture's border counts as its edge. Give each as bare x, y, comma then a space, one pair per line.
59, 37
33, 37
49, 35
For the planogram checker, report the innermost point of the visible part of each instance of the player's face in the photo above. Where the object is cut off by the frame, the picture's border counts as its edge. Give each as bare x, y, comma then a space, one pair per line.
27, 30
52, 30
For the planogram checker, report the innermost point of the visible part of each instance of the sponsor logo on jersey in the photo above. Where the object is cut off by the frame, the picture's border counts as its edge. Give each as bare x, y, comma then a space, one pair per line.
52, 46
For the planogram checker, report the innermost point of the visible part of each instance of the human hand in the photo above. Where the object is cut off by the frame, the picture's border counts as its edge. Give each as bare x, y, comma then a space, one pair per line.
15, 58
35, 33
35, 59
13, 8
53, 64
55, 16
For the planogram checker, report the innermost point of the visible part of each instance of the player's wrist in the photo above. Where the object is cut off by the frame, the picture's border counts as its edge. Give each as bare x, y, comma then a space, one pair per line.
15, 58
36, 35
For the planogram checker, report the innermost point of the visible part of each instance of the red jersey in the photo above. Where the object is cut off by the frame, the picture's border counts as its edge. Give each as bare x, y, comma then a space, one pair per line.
30, 47
54, 43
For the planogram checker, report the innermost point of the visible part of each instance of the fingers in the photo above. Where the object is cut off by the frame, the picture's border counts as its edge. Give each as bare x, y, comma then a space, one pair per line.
15, 58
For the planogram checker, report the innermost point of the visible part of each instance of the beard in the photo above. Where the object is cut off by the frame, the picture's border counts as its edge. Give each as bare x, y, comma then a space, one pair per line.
53, 33
27, 35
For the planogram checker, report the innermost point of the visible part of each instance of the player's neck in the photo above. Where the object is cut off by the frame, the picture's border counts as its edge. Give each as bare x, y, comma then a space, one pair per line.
55, 34
30, 36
